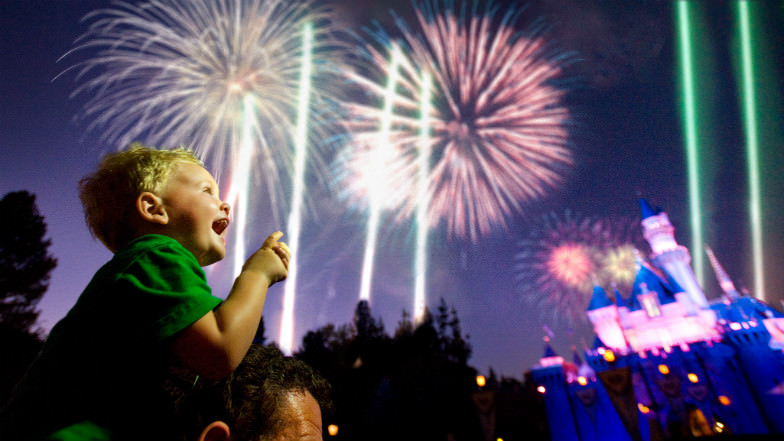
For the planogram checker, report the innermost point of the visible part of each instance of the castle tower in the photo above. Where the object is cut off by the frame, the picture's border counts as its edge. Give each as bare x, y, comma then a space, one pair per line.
603, 314
668, 255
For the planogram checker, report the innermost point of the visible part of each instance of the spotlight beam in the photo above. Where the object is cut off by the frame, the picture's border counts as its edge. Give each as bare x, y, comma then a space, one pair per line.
298, 191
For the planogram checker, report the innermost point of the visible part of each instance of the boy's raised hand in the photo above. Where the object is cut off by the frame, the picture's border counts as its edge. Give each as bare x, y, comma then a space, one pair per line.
272, 259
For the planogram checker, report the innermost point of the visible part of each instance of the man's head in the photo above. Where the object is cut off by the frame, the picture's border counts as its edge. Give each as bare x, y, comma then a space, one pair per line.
144, 190
269, 397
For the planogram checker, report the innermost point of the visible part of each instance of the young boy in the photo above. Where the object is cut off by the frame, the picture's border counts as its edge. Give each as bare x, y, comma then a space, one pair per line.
149, 308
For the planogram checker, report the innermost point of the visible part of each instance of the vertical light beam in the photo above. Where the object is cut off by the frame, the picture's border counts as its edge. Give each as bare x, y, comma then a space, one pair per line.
295, 216
752, 146
423, 202
376, 193
240, 182
692, 137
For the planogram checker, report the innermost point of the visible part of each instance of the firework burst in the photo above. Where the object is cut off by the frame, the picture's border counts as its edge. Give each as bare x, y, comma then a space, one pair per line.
188, 72
497, 125
564, 256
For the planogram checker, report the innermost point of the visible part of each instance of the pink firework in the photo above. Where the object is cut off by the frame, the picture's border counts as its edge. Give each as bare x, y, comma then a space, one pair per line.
497, 125
557, 263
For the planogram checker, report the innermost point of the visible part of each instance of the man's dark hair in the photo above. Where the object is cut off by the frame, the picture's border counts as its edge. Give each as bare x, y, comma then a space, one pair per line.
248, 400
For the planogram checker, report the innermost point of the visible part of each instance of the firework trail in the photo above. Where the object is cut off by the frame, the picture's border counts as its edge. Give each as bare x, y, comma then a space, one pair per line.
498, 134
223, 77
564, 256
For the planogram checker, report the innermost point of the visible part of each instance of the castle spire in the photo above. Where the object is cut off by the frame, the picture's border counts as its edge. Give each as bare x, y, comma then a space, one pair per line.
668, 255
724, 279
645, 209
599, 299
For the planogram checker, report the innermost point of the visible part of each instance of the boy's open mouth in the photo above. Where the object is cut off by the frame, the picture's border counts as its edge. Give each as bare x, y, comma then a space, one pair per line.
219, 226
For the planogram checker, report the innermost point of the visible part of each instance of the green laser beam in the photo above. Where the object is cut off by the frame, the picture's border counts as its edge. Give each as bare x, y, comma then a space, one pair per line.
752, 144
692, 136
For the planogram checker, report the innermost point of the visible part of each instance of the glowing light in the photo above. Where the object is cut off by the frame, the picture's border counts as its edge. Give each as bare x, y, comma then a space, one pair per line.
609, 356
571, 263
643, 408
332, 429
582, 381
481, 381
724, 400
618, 265
295, 216
691, 135
735, 326
693, 377
423, 202
541, 389
240, 179
752, 146
664, 369
377, 191
498, 125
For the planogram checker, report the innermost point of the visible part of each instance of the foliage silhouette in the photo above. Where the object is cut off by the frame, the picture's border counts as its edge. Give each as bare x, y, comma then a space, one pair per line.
25, 265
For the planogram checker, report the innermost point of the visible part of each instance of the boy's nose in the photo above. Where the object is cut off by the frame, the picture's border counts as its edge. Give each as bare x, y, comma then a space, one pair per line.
225, 207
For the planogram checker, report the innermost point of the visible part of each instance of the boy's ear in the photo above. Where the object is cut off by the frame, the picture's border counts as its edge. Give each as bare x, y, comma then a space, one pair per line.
215, 431
151, 208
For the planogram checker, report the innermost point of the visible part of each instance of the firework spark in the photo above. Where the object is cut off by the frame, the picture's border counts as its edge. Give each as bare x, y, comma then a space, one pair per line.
498, 134
564, 256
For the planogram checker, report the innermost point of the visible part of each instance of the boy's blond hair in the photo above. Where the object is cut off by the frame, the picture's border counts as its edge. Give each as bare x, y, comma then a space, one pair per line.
109, 195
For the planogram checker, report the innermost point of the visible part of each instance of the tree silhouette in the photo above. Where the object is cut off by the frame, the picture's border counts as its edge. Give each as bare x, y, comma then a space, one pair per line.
415, 385
25, 264
24, 277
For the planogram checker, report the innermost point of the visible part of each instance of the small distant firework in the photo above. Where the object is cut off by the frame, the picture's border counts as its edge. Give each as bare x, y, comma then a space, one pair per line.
564, 256
188, 72
617, 261
497, 123
617, 266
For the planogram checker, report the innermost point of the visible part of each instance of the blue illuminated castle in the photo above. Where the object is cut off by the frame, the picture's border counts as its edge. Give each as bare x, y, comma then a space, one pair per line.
667, 363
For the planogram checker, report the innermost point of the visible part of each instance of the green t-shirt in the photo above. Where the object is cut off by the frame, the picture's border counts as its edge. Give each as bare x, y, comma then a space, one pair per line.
105, 361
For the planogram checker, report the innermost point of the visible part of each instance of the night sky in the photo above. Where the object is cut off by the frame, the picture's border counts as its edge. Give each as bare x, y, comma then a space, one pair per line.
626, 138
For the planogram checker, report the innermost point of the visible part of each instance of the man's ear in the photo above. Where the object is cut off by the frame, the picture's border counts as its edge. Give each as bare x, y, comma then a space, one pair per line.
215, 431
151, 209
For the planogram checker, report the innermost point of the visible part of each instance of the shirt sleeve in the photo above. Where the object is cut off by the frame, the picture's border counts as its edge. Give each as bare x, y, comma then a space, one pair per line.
171, 288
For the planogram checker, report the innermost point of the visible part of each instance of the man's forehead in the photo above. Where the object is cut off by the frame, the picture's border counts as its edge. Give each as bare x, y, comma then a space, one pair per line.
302, 417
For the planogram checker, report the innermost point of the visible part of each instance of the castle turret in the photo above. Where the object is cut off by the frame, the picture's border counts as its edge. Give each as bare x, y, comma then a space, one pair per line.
668, 255
604, 316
